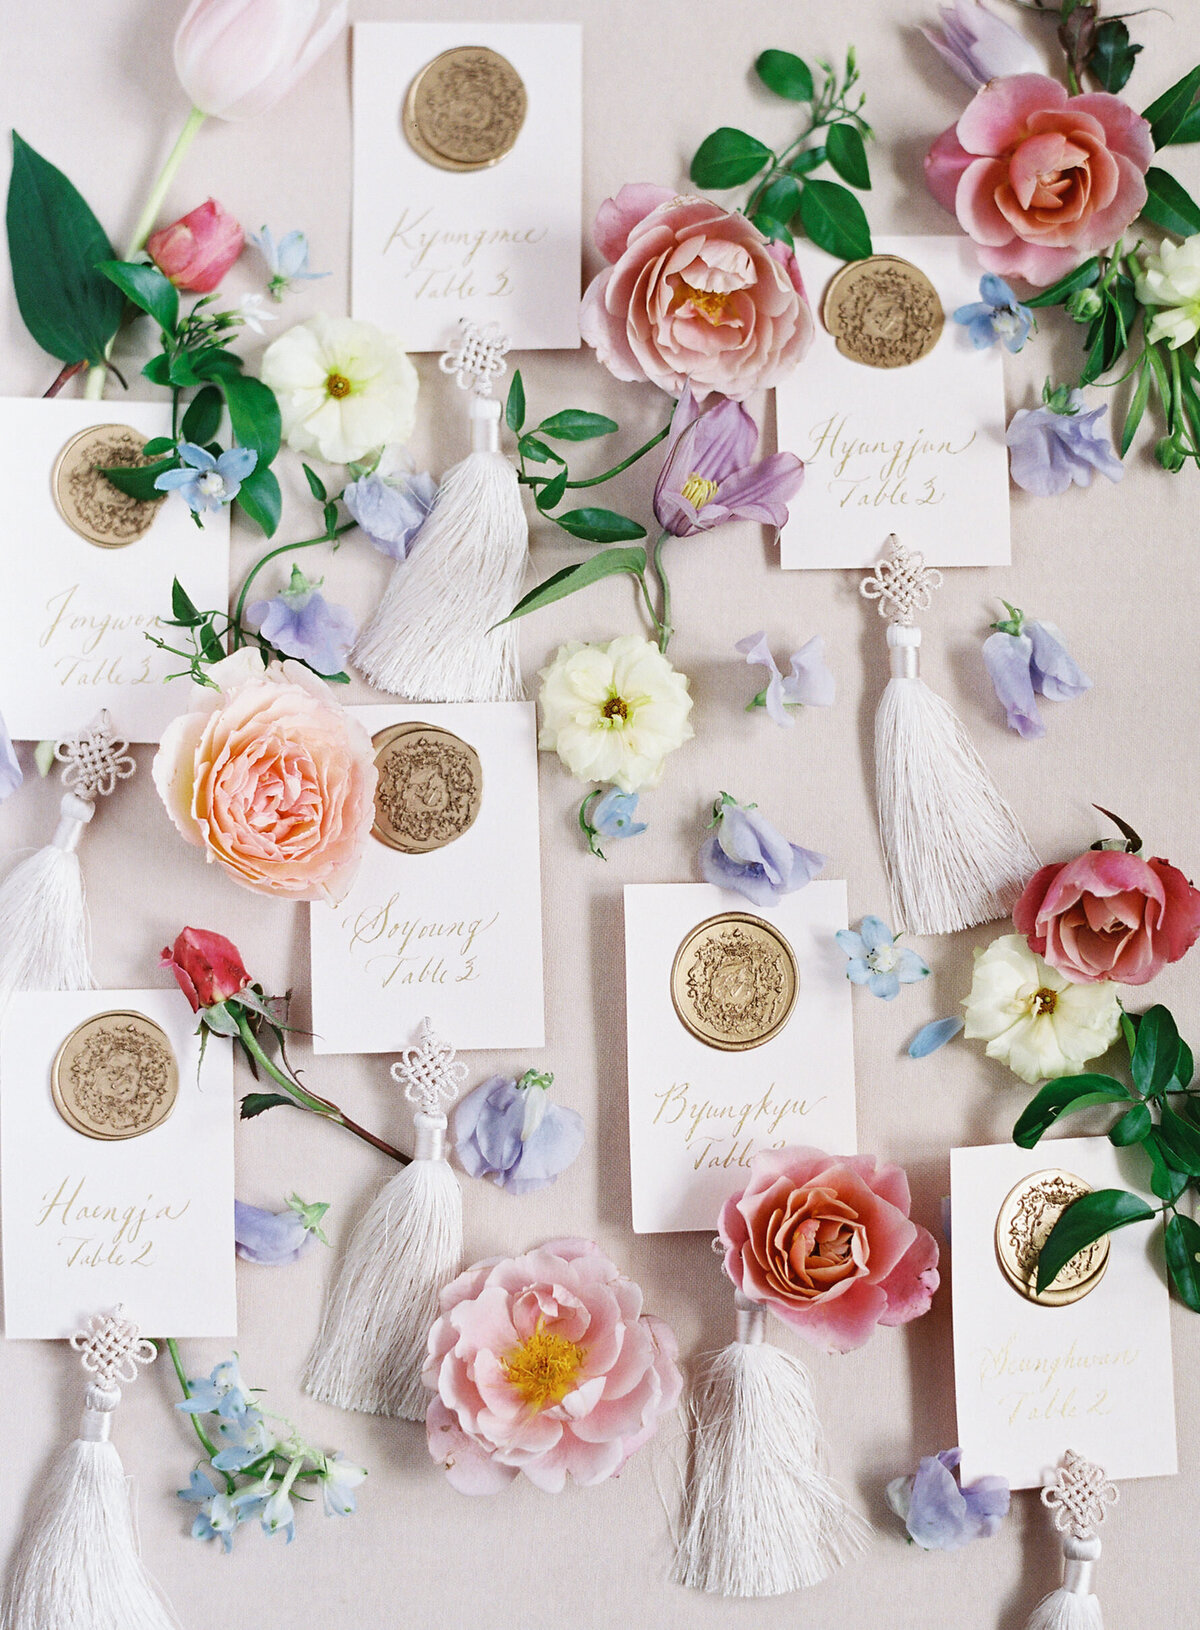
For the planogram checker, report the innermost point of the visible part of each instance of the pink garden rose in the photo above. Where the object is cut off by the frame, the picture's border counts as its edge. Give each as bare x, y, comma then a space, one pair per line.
197, 250
272, 778
693, 292
826, 1242
545, 1364
1109, 915
1039, 179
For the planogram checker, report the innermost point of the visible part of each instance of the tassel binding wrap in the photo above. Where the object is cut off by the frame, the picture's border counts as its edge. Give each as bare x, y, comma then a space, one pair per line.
433, 637
760, 1515
77, 1565
1079, 1494
371, 1347
956, 855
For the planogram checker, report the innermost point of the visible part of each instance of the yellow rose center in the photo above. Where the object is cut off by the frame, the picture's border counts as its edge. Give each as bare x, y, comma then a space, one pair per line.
698, 490
616, 708
544, 1367
708, 302
337, 386
1044, 1001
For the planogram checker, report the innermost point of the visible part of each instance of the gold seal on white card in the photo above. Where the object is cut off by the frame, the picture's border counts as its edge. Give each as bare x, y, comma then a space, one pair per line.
88, 501
115, 1076
465, 109
883, 311
734, 981
430, 787
1028, 1213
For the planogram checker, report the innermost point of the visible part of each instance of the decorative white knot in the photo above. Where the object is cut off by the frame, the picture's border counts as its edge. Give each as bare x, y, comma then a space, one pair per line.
94, 760
1078, 1494
478, 358
429, 1072
902, 583
111, 1347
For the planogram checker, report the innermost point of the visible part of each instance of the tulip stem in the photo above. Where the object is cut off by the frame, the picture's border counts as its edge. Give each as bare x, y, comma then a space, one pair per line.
665, 630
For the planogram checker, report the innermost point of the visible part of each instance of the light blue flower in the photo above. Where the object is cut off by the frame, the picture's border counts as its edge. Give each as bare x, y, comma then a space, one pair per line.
1026, 659
221, 1393
509, 1131
933, 1035
748, 855
339, 1480
272, 1238
612, 815
278, 1514
938, 1513
11, 775
246, 1440
877, 961
301, 623
1058, 443
200, 1489
391, 513
998, 315
287, 260
809, 684
217, 1519
206, 482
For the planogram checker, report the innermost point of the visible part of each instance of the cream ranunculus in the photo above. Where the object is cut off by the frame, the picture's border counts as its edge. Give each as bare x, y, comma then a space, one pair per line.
613, 712
344, 388
1032, 1018
1170, 279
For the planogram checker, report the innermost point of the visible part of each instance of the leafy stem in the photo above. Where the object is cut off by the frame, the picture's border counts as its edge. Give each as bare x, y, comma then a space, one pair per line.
206, 1443
607, 475
665, 629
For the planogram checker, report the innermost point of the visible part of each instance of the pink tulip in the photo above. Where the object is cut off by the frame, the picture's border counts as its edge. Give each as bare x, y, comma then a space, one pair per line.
196, 251
236, 58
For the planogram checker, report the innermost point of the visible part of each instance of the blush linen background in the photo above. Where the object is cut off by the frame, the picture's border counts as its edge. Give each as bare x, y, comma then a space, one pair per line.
91, 87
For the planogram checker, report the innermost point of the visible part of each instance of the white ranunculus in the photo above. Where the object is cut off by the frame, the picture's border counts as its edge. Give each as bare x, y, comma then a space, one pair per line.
1170, 279
613, 712
1032, 1018
344, 388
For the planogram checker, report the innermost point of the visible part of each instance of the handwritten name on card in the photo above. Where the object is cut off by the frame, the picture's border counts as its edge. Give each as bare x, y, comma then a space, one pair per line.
92, 1230
463, 263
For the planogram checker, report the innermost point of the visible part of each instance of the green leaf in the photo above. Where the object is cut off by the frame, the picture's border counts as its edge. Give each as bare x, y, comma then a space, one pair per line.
1180, 1142
547, 496
1129, 1029
158, 370
1189, 130
182, 608
138, 479
260, 497
1133, 1127
600, 525
203, 417
1063, 1097
772, 229
254, 1103
181, 372
727, 158
530, 447
845, 151
210, 645
215, 362
254, 415
1155, 1053
834, 220
514, 407
1083, 277
315, 485
1169, 206
1112, 56
780, 199
330, 517
786, 75
1137, 406
157, 446
809, 159
608, 563
573, 424
146, 288
1182, 1240
1165, 1181
1086, 1219
1167, 112
1185, 1065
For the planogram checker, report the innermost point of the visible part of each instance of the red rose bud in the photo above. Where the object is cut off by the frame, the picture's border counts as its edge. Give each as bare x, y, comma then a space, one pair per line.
197, 251
208, 968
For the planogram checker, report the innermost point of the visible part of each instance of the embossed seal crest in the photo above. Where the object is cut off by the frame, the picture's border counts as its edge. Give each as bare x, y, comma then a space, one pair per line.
430, 787
465, 109
1028, 1213
734, 981
87, 501
883, 311
115, 1076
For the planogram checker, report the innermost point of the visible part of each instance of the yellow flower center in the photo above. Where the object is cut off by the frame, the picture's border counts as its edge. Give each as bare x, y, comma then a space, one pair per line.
1043, 1001
698, 490
616, 708
544, 1367
710, 303
337, 386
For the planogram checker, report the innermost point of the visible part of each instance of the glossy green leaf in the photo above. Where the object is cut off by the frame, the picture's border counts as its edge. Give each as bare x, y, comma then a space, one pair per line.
1189, 130
1137, 406
158, 370
772, 229
845, 151
573, 424
1155, 1053
254, 1103
210, 645
1185, 1065
182, 609
779, 199
600, 525
514, 406
1113, 55
1180, 1142
1086, 1219
1182, 1240
182, 371
570, 579
786, 75
537, 451
138, 479
1133, 1127
727, 158
157, 446
1063, 1097
1165, 1180
1129, 1030
1083, 277
254, 415
146, 288
203, 417
807, 160
1168, 205
834, 220
215, 362
1166, 113
315, 485
547, 496
260, 497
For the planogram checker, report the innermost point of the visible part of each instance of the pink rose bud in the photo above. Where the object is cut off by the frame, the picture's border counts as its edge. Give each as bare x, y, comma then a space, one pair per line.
236, 58
208, 968
197, 251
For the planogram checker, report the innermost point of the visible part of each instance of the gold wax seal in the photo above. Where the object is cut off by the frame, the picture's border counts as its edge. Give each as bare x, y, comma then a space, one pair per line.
1023, 1225
465, 109
430, 787
734, 981
883, 311
87, 501
115, 1076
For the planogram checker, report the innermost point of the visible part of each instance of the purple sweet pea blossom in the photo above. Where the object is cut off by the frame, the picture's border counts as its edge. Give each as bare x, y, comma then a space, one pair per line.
1058, 443
11, 775
301, 623
809, 684
938, 1513
509, 1131
390, 513
748, 855
707, 477
272, 1238
1025, 660
979, 46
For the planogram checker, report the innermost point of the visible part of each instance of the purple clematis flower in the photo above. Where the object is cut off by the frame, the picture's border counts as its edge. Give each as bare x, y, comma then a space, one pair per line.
707, 477
272, 1238
1027, 659
747, 854
938, 1513
979, 46
301, 623
1058, 443
509, 1131
809, 684
391, 514
11, 775
205, 482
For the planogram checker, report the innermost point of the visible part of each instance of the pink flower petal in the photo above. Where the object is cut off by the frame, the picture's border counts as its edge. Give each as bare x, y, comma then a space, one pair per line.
996, 117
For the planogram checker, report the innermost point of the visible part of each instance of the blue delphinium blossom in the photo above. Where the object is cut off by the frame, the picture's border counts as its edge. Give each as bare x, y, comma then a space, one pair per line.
287, 260
339, 1480
206, 482
221, 1393
613, 814
933, 1035
301, 623
747, 854
809, 684
1026, 659
996, 315
272, 1238
391, 513
938, 1513
1058, 443
509, 1131
877, 962
11, 775
246, 1440
278, 1514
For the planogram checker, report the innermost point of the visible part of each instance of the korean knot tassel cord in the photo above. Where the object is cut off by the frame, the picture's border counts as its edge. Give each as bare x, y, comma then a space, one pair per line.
77, 1565
433, 638
760, 1515
43, 917
1079, 1495
956, 854
384, 1300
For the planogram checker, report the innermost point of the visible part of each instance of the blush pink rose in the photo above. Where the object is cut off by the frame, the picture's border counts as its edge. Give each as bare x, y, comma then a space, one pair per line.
272, 778
826, 1242
545, 1364
197, 250
1039, 179
1109, 915
693, 292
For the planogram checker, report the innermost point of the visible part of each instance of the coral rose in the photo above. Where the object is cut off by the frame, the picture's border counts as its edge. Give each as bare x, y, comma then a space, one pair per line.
545, 1364
1109, 915
1039, 179
272, 778
197, 250
693, 292
826, 1242
208, 968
